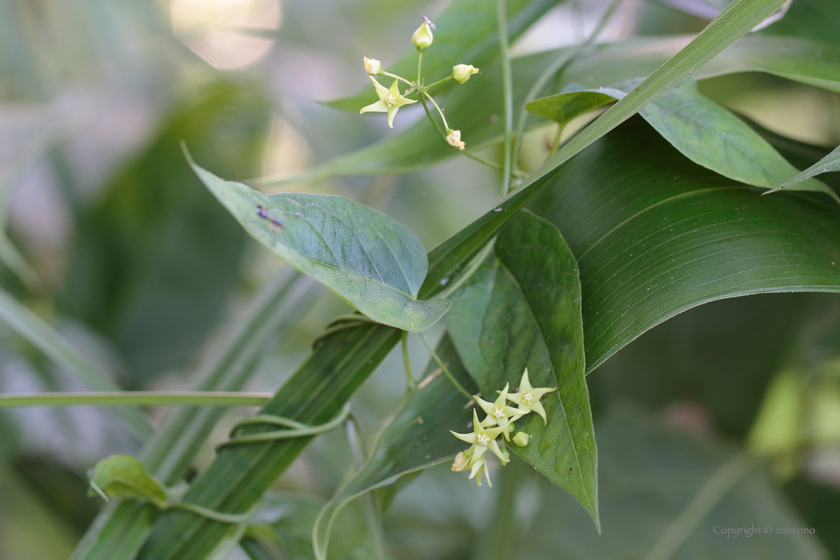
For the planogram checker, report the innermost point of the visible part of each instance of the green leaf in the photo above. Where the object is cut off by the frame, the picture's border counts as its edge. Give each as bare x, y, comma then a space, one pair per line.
702, 130
656, 235
374, 263
829, 163
52, 344
124, 476
416, 438
466, 33
563, 107
525, 311
240, 475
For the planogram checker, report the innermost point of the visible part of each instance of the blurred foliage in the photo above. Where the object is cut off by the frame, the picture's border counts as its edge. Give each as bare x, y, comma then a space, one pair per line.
153, 259
125, 251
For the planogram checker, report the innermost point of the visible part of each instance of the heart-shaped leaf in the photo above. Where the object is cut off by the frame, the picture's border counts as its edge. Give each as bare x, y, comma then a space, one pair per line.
374, 263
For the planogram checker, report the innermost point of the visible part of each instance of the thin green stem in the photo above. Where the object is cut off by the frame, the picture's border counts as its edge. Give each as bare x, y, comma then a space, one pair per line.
555, 144
136, 398
706, 498
296, 429
409, 377
234, 518
409, 82
467, 153
430, 86
471, 269
507, 92
440, 112
443, 367
419, 67
559, 65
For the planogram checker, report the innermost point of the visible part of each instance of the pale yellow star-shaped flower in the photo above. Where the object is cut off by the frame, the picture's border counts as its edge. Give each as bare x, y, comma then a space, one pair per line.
389, 102
528, 398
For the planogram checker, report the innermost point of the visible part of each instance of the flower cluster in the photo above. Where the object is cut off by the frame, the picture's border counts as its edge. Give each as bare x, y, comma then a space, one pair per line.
499, 421
391, 99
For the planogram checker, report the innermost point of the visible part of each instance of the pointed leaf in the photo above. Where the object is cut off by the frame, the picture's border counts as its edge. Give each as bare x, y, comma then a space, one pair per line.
124, 476
702, 130
655, 235
525, 312
829, 163
362, 255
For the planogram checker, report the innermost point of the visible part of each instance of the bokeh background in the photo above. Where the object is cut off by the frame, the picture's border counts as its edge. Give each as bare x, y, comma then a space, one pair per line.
109, 236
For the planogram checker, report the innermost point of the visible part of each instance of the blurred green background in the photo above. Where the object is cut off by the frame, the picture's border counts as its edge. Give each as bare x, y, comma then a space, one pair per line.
111, 238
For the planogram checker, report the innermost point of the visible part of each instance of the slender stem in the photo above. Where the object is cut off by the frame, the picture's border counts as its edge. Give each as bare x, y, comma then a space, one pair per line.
706, 498
409, 82
443, 367
559, 64
419, 66
373, 517
295, 432
235, 518
555, 144
409, 377
136, 398
507, 93
471, 269
467, 153
440, 112
430, 86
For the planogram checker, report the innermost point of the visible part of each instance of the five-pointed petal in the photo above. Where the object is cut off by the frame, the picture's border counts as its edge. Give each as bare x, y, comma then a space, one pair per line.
389, 102
528, 398
499, 413
483, 439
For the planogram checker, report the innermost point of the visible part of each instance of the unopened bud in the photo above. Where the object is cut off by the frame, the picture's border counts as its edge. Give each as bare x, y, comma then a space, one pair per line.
372, 66
453, 138
521, 439
423, 37
461, 462
462, 72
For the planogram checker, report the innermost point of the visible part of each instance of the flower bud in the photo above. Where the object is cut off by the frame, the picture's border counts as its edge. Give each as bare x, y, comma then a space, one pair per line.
372, 66
462, 72
521, 439
423, 37
453, 138
461, 462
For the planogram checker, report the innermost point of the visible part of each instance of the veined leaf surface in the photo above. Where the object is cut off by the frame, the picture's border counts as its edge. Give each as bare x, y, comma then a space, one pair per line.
362, 255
